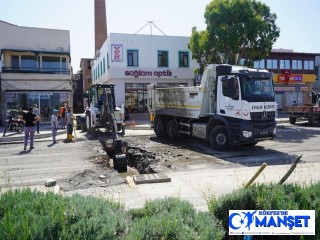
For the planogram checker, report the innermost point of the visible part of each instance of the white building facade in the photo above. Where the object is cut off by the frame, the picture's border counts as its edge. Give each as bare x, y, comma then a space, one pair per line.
133, 61
34, 69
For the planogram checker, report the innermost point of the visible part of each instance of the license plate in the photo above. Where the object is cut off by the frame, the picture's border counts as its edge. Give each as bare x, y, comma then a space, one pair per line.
264, 133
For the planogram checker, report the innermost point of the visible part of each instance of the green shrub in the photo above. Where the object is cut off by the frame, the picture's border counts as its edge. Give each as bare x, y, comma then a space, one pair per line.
172, 218
34, 215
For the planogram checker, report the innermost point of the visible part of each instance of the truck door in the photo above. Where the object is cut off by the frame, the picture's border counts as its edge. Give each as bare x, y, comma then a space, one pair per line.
229, 103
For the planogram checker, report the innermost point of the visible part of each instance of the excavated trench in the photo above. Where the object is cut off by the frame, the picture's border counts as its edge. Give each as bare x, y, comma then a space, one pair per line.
143, 161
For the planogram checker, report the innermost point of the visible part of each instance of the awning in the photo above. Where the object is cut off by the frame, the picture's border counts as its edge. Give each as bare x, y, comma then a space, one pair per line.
35, 51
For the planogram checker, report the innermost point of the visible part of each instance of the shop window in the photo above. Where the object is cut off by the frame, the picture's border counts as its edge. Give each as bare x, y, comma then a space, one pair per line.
163, 60
28, 63
297, 64
64, 63
104, 65
308, 65
259, 64
15, 62
50, 64
284, 64
183, 59
46, 101
132, 58
272, 64
136, 97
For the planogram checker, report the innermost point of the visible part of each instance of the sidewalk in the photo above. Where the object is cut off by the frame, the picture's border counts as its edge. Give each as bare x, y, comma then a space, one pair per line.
45, 130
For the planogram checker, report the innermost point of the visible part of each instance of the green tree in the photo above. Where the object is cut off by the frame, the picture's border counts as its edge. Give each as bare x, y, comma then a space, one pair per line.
235, 29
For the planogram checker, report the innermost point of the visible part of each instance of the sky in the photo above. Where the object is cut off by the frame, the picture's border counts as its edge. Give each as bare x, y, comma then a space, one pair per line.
297, 19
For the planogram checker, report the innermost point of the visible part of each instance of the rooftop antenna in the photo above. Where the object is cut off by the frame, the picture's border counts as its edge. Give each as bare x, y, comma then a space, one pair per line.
150, 23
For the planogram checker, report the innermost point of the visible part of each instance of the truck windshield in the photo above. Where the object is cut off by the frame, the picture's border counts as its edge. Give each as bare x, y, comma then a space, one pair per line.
257, 90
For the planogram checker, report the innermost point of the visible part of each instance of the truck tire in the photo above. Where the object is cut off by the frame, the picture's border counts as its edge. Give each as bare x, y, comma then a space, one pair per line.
172, 130
292, 120
219, 138
160, 128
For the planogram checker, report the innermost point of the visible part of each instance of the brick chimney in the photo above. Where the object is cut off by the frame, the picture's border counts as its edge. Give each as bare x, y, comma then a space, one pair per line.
100, 23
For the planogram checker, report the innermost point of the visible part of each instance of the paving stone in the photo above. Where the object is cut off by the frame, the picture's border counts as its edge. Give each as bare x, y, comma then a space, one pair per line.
151, 178
50, 182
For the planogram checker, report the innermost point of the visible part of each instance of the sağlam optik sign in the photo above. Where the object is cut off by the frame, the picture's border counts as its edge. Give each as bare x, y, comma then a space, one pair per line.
116, 53
271, 222
141, 73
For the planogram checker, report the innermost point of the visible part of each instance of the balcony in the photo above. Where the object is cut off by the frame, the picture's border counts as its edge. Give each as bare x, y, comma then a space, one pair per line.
35, 70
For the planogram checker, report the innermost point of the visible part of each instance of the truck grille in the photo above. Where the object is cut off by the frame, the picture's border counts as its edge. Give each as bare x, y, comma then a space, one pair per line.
263, 120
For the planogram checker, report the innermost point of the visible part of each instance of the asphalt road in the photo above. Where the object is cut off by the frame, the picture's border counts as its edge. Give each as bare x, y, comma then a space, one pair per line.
197, 172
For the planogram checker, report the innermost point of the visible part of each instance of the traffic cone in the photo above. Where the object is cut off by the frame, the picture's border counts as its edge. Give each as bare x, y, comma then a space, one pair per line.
133, 123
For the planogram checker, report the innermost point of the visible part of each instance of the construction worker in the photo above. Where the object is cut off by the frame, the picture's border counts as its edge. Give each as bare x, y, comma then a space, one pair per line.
69, 117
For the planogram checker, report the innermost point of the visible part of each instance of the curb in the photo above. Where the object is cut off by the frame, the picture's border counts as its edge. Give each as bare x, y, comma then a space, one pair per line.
18, 139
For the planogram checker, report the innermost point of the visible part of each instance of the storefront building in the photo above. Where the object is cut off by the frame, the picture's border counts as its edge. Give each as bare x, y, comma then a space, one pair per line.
134, 61
294, 76
34, 69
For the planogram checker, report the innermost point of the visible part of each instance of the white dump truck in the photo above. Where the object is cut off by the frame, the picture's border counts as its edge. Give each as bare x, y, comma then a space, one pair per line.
234, 105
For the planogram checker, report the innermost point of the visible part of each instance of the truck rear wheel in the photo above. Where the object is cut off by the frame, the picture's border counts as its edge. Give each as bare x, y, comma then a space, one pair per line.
160, 128
219, 138
172, 130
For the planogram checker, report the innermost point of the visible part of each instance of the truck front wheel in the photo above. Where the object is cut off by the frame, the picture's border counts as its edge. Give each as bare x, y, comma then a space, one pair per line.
172, 130
219, 138
160, 128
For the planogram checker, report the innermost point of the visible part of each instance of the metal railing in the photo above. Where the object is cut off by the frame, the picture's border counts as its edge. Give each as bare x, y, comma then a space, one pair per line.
35, 70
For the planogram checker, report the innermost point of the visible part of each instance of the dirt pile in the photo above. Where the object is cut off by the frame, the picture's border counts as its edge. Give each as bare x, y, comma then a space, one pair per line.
142, 160
91, 178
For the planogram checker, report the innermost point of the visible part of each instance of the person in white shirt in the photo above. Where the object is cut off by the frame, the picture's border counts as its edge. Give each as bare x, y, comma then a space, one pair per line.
54, 125
36, 112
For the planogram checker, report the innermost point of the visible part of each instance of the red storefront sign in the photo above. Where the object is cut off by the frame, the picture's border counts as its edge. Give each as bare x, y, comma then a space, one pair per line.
290, 78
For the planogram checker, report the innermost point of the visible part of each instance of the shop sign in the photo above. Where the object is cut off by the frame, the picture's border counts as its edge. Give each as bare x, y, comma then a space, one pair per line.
141, 73
294, 78
116, 52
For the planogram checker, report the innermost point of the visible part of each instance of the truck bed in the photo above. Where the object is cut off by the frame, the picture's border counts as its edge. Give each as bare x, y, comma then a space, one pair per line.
309, 112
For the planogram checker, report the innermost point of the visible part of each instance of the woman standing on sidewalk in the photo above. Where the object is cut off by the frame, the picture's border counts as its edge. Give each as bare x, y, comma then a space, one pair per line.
29, 119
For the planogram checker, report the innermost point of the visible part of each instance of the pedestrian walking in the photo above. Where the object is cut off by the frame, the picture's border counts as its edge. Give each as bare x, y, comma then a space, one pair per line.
29, 119
69, 117
54, 125
36, 112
